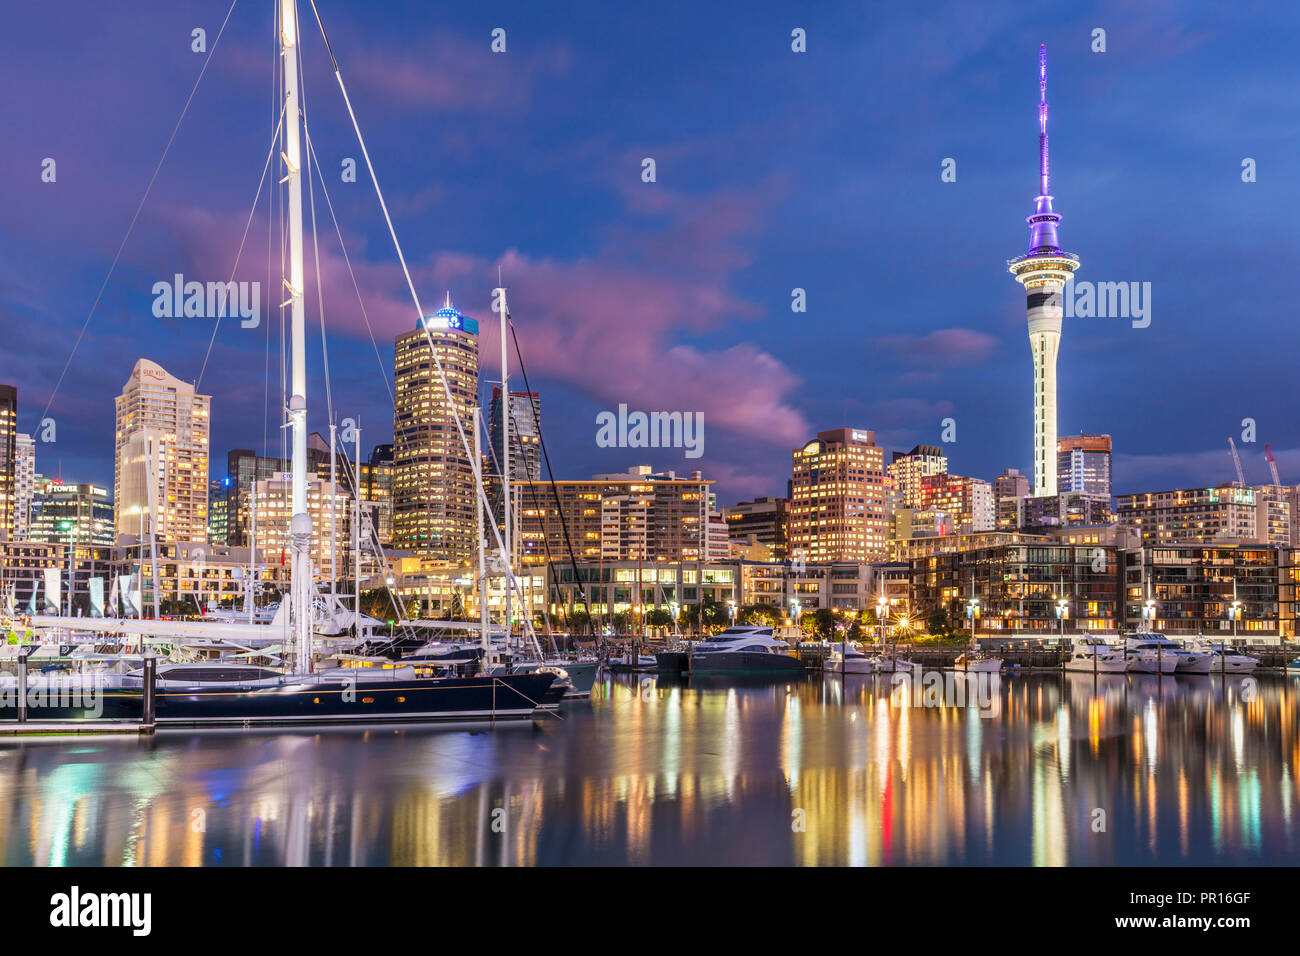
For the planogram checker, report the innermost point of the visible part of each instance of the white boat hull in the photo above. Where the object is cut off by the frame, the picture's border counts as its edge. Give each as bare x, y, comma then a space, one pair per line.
1152, 664
854, 665
1089, 666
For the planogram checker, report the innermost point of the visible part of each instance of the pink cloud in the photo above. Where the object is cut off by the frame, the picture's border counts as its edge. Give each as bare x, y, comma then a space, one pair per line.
610, 325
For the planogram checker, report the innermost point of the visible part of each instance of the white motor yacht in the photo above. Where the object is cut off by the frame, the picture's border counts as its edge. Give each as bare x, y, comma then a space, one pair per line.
1149, 657
1188, 660
1225, 660
744, 649
1092, 655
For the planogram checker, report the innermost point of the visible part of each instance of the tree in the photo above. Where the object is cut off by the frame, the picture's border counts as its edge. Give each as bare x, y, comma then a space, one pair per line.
766, 615
820, 623
658, 617
936, 620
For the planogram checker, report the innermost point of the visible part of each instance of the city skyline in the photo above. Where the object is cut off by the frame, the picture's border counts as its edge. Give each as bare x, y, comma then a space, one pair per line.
748, 205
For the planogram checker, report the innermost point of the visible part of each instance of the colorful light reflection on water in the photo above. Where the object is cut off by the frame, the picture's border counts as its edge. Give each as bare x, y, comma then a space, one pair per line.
1060, 770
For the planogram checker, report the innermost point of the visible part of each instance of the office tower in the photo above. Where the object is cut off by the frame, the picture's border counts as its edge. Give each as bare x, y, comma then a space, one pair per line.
908, 468
24, 485
433, 474
1043, 271
161, 456
634, 516
525, 434
377, 491
1083, 464
67, 513
763, 520
218, 519
8, 456
837, 508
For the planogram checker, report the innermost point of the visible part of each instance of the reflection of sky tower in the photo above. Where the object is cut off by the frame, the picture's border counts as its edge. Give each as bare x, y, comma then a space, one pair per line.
1043, 272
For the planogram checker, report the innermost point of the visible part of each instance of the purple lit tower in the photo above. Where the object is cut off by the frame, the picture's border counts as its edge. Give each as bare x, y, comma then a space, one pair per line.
1043, 271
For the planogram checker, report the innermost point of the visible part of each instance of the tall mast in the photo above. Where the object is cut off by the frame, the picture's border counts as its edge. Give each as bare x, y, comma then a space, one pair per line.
505, 461
300, 523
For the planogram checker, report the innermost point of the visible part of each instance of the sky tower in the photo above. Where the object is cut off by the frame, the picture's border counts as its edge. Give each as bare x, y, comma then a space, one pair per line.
1043, 271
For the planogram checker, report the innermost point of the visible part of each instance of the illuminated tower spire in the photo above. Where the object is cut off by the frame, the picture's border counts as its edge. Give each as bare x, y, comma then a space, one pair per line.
1043, 271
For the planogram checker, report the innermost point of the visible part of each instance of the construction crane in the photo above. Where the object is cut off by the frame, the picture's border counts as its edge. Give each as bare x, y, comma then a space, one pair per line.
1272, 466
1236, 460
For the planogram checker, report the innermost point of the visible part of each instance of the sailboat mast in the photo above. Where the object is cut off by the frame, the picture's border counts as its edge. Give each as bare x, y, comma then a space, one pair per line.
300, 523
505, 464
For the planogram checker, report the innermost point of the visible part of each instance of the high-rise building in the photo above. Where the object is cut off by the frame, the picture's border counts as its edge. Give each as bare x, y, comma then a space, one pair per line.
24, 485
966, 503
244, 467
274, 509
65, 513
377, 491
8, 456
525, 434
160, 464
1226, 513
908, 468
433, 474
764, 521
218, 518
1008, 488
636, 516
837, 507
1044, 271
1083, 464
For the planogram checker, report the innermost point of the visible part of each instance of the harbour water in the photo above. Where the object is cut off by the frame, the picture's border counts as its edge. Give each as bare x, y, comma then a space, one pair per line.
1049, 769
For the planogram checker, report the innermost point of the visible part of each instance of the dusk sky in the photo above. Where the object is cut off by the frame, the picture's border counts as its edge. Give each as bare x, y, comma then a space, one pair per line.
775, 170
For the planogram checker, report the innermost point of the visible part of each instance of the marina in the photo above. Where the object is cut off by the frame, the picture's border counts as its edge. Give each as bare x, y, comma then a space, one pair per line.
654, 770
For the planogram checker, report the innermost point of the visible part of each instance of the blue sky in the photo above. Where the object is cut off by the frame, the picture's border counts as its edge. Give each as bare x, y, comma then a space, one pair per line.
775, 170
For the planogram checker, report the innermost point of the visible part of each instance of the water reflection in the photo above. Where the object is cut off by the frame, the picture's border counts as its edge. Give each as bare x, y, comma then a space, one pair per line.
1048, 770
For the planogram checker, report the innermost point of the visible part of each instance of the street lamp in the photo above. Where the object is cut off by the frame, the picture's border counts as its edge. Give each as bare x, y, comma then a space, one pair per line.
1062, 612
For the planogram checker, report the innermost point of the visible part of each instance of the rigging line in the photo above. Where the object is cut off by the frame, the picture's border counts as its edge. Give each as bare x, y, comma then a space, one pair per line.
564, 526
532, 492
410, 284
239, 253
348, 260
121, 246
320, 299
270, 259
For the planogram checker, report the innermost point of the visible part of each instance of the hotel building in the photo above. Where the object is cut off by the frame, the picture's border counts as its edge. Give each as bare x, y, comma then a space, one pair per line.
160, 464
837, 505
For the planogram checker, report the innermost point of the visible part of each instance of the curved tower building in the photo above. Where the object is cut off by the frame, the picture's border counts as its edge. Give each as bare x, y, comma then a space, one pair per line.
1043, 271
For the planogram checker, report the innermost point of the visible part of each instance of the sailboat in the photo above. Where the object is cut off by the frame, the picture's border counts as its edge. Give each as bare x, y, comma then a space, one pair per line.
219, 693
